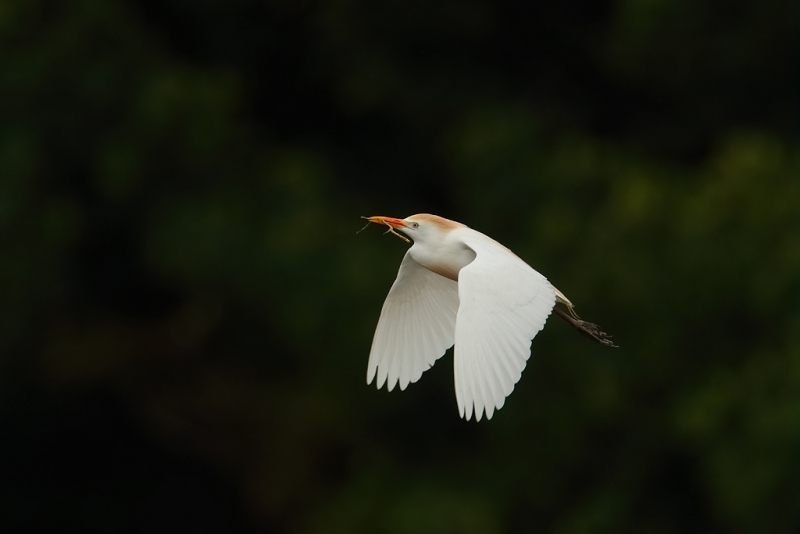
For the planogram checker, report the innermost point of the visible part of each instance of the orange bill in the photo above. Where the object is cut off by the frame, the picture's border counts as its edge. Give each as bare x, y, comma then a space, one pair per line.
388, 221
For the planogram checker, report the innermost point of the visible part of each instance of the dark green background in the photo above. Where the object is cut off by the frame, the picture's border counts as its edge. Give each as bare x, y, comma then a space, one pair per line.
186, 310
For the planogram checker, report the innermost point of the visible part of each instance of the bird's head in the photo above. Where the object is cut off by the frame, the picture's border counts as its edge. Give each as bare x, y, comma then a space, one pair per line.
420, 227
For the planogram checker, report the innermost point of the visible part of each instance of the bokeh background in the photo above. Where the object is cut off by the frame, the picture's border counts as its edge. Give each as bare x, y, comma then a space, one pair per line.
186, 309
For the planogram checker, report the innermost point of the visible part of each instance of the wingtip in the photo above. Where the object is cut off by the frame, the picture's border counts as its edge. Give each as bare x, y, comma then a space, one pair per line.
372, 374
478, 417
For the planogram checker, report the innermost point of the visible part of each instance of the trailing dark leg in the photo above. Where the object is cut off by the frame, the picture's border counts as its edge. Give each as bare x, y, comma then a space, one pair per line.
590, 330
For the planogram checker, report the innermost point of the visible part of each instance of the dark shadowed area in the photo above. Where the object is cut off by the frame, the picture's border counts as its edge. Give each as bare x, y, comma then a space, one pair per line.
186, 309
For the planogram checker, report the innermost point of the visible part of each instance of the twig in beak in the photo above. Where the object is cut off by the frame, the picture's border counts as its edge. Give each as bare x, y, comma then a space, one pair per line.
368, 222
404, 238
391, 229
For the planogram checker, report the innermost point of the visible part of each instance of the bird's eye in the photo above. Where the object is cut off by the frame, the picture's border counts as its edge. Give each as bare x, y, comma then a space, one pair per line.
414, 225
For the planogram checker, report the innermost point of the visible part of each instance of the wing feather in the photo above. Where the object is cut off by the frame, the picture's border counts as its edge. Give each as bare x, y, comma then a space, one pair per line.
510, 368
416, 327
504, 303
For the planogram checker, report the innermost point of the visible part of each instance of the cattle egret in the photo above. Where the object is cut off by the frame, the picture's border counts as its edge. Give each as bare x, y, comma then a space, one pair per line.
458, 286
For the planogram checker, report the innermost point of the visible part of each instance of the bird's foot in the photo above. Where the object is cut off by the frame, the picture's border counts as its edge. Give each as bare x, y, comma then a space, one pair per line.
590, 330
593, 331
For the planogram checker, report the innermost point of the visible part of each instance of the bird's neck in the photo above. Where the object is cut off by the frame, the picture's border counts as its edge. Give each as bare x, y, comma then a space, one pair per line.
446, 257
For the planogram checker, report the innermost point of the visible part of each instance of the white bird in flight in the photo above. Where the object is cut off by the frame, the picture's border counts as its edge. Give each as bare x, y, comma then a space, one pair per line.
457, 286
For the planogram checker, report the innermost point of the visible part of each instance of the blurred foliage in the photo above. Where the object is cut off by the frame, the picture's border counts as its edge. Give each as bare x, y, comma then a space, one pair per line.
187, 309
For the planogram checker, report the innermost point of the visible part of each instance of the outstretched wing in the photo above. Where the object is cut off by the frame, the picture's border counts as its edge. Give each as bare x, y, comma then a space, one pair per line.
416, 327
504, 304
